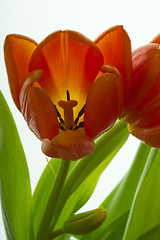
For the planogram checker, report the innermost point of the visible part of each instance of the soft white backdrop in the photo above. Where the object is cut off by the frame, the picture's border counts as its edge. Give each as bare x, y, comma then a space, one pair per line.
37, 19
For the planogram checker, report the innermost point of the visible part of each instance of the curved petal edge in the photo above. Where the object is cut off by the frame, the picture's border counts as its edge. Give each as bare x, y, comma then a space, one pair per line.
17, 52
115, 46
37, 108
69, 146
104, 102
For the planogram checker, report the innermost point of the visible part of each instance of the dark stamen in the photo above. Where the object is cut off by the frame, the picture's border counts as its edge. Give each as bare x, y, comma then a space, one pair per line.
79, 115
68, 95
61, 120
58, 113
77, 127
81, 112
61, 127
76, 120
81, 124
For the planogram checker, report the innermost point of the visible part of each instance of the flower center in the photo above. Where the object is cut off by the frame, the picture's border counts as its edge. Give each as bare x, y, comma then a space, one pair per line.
68, 122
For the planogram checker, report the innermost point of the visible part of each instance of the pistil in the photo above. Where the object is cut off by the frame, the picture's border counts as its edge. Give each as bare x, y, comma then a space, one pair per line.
67, 107
68, 122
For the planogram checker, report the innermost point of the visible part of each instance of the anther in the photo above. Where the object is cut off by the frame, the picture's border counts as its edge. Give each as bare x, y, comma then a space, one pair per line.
61, 127
80, 125
58, 113
81, 111
61, 120
79, 115
77, 127
68, 95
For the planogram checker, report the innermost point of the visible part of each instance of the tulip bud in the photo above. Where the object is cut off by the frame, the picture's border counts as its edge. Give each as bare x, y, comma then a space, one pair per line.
86, 222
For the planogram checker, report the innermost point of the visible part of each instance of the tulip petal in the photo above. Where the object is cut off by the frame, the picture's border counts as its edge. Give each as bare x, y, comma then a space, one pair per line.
68, 145
115, 46
149, 118
70, 62
156, 39
37, 108
150, 136
146, 68
103, 104
17, 51
148, 112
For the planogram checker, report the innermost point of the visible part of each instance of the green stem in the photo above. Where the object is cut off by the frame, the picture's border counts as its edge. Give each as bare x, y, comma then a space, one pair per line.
56, 233
44, 227
107, 143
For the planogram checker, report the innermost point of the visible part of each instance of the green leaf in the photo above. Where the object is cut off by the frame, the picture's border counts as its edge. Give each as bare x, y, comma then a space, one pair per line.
15, 189
119, 202
145, 212
153, 234
42, 192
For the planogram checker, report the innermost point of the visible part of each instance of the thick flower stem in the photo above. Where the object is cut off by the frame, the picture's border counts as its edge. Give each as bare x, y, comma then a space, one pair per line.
52, 202
56, 233
104, 147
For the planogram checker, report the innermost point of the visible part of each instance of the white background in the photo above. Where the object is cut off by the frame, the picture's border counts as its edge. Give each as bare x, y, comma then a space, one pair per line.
39, 18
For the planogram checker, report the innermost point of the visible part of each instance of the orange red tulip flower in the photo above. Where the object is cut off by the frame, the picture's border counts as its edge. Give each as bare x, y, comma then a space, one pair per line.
70, 90
143, 105
51, 82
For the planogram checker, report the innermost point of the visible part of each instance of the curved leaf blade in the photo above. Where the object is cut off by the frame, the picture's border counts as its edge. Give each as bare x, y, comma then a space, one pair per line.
15, 189
145, 211
42, 192
119, 202
153, 234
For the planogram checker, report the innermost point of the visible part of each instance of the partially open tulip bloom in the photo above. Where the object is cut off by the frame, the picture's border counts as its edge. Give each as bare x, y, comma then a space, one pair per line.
65, 88
142, 110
